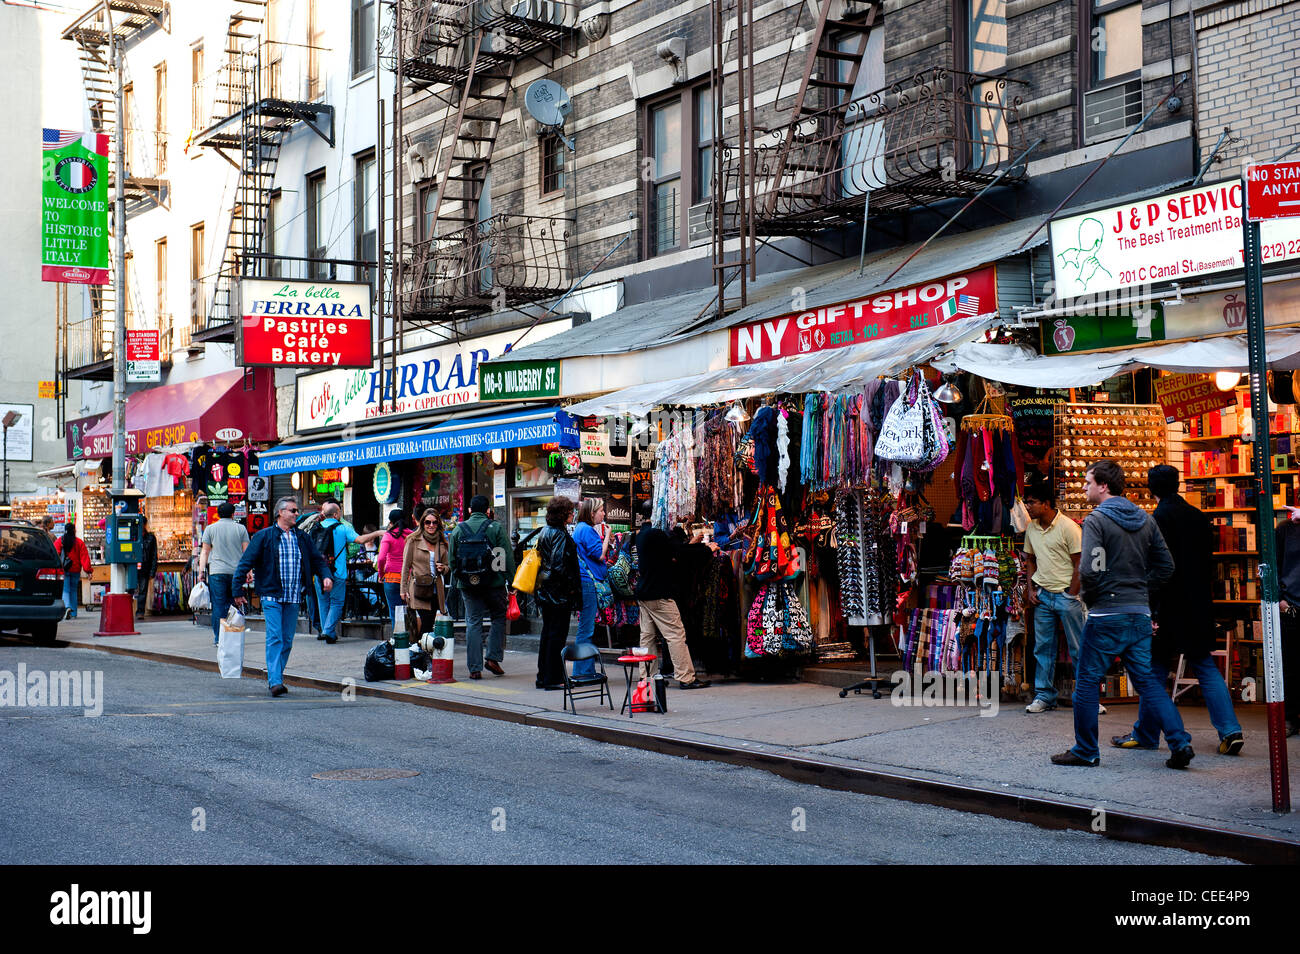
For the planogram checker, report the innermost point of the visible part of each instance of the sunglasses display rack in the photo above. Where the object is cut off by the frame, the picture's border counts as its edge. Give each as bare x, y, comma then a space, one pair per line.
1132, 435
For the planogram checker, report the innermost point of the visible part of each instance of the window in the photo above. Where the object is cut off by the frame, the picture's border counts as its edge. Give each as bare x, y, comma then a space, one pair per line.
552, 165
273, 52
315, 42
1112, 102
160, 276
428, 199
363, 36
272, 242
679, 166
365, 209
316, 242
197, 119
196, 270
986, 54
160, 117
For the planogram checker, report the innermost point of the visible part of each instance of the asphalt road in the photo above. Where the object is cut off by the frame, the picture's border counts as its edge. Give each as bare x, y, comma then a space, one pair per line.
184, 767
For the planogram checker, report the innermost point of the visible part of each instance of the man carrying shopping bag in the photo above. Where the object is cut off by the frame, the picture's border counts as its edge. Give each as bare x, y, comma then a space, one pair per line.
280, 561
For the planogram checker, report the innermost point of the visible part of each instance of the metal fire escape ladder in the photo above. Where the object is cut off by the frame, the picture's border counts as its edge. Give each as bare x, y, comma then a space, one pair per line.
822, 48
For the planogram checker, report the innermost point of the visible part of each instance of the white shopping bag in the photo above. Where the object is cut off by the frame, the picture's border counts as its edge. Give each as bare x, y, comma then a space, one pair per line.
230, 652
200, 598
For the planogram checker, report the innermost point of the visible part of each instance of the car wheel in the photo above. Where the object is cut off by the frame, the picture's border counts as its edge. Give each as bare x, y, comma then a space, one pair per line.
44, 634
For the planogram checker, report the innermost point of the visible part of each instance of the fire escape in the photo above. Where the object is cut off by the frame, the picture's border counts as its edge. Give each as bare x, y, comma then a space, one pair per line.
841, 152
261, 90
460, 58
88, 342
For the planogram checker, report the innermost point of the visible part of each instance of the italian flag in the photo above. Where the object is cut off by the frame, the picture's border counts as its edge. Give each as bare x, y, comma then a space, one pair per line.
947, 310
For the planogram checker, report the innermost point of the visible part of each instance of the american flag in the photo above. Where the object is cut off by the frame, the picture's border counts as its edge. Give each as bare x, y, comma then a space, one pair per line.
58, 138
968, 304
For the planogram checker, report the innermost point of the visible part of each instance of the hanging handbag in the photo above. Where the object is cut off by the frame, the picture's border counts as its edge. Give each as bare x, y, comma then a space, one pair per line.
424, 587
902, 434
604, 593
620, 575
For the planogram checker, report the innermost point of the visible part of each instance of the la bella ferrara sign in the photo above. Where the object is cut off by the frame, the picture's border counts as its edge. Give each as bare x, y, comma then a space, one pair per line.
296, 324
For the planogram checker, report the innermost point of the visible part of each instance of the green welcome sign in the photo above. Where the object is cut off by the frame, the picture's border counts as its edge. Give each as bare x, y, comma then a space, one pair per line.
74, 207
518, 380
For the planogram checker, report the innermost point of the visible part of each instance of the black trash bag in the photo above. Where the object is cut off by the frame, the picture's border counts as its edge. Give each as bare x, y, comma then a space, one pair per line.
379, 662
420, 660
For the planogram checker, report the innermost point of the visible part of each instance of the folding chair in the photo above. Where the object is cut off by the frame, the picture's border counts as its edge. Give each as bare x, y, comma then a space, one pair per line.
579, 687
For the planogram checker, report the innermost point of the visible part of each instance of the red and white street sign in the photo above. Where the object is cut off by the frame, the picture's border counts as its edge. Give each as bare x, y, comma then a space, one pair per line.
143, 361
1272, 191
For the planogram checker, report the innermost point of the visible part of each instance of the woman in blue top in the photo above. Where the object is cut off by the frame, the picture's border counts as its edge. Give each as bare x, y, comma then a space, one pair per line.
591, 559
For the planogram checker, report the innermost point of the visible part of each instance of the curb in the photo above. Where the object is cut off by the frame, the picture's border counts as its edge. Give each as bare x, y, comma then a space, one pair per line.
1057, 814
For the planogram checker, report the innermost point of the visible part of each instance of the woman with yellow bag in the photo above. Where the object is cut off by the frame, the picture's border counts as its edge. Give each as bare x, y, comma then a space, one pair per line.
557, 590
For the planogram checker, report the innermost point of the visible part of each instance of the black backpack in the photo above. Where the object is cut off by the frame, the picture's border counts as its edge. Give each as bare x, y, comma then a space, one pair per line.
322, 539
473, 555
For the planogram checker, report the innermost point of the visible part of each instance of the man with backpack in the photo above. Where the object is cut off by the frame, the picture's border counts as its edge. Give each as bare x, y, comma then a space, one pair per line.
482, 562
331, 537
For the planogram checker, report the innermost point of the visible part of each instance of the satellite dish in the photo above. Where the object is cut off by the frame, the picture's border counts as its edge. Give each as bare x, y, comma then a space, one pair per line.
548, 103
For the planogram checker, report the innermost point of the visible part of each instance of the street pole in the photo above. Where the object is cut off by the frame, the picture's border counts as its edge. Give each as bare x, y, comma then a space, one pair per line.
1269, 610
117, 578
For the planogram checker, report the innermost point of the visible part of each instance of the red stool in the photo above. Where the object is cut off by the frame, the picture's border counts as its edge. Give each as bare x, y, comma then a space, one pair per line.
629, 663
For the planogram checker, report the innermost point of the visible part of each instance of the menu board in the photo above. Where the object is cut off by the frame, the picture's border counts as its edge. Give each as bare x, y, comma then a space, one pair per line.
1132, 435
1035, 420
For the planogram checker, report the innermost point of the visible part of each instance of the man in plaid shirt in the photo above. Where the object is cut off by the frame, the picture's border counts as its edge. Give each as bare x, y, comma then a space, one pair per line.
274, 562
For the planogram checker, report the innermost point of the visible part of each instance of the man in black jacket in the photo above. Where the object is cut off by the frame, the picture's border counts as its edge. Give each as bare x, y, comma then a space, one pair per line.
280, 561
1183, 617
657, 558
147, 570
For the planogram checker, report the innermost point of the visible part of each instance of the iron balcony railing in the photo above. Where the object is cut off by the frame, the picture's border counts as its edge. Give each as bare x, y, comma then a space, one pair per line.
437, 43
521, 257
269, 71
941, 134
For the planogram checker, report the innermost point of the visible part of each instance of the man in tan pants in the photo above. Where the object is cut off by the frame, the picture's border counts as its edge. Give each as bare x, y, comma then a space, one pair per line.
656, 560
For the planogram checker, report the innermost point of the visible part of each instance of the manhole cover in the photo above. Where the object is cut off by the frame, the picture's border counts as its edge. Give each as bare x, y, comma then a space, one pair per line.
364, 774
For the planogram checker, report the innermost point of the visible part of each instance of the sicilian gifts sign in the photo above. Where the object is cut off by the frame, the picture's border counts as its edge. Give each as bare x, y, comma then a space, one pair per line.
866, 319
304, 324
1165, 239
74, 207
1184, 396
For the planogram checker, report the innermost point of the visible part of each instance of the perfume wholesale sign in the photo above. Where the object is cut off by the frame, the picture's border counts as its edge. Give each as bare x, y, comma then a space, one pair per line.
1158, 240
1184, 396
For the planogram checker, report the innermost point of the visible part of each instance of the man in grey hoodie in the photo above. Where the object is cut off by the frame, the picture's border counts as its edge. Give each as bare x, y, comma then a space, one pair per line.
1124, 557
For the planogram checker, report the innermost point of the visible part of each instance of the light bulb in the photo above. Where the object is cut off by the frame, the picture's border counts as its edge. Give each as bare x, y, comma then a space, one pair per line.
497, 456
1227, 380
295, 481
736, 414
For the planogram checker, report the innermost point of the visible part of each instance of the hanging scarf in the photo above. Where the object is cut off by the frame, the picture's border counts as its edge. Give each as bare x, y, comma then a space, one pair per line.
808, 457
782, 448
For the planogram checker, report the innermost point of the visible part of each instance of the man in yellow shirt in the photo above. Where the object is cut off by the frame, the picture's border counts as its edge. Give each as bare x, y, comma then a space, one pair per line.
1052, 544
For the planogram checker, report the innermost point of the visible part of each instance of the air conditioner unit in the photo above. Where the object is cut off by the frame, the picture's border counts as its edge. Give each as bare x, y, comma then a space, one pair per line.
1112, 109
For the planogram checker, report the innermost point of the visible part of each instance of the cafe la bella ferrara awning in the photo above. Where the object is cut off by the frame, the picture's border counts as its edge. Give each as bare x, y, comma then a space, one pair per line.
543, 425
213, 409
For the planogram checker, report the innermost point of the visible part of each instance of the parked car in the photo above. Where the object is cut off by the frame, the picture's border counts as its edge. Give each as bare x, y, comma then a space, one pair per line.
31, 581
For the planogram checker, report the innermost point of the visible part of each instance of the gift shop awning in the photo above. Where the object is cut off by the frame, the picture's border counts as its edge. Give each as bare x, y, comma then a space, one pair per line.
217, 408
546, 425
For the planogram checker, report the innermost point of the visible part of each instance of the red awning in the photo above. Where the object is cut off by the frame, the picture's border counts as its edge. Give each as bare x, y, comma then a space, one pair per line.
215, 409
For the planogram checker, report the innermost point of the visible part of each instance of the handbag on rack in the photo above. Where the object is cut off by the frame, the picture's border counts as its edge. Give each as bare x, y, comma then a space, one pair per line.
902, 434
620, 575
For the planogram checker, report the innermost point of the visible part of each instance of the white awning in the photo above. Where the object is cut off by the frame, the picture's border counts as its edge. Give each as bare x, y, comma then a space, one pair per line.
1018, 364
829, 370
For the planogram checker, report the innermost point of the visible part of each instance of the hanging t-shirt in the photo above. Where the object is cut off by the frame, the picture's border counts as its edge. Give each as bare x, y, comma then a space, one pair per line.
221, 474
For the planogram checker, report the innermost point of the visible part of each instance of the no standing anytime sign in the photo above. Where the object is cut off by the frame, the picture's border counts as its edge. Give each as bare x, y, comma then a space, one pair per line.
1272, 191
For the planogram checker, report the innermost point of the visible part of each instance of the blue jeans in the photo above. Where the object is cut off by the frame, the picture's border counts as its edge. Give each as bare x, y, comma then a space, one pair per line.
492, 604
71, 592
1054, 608
393, 594
281, 625
331, 606
221, 587
1128, 636
586, 625
1213, 689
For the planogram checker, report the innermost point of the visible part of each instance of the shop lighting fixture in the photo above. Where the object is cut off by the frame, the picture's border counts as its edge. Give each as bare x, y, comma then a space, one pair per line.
736, 414
345, 475
948, 392
1227, 380
295, 481
498, 456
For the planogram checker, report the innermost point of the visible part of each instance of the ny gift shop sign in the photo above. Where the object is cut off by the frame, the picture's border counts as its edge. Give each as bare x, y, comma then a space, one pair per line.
304, 324
866, 319
1163, 239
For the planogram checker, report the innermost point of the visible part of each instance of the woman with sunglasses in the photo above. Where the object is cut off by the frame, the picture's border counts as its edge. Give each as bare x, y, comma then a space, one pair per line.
388, 563
424, 561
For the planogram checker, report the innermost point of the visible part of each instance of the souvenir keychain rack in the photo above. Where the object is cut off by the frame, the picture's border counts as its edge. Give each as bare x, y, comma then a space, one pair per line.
982, 637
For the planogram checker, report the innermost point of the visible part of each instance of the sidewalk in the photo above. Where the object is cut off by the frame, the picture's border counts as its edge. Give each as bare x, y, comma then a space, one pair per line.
954, 756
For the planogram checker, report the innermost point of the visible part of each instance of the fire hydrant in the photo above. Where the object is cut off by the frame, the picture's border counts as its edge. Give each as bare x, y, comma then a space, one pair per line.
441, 647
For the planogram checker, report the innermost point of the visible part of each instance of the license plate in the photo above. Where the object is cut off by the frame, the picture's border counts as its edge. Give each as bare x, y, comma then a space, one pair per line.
8, 584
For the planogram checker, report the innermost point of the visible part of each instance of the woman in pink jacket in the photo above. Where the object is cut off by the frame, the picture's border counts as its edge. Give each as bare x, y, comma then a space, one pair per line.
389, 562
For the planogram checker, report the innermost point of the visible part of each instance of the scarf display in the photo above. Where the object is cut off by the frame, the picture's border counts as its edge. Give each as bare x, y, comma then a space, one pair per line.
674, 481
771, 554
717, 479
